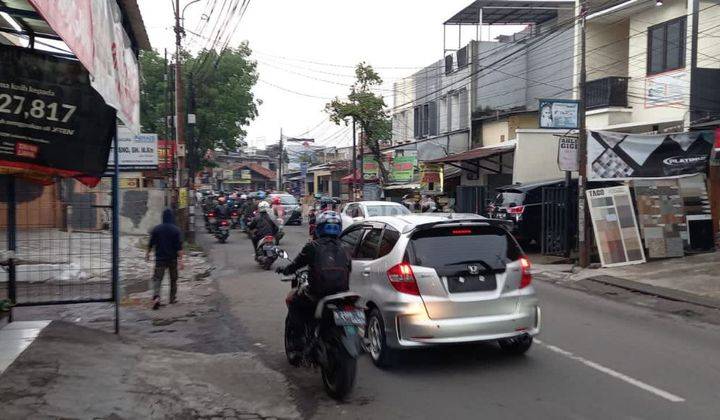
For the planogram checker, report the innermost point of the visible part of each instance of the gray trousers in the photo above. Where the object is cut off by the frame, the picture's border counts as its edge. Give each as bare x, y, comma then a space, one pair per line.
160, 266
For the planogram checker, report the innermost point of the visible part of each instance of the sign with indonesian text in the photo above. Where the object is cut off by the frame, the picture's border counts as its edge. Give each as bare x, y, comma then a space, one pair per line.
136, 152
568, 154
51, 120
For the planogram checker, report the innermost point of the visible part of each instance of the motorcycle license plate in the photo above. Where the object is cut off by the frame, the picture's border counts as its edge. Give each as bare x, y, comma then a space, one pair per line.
211, 220
356, 317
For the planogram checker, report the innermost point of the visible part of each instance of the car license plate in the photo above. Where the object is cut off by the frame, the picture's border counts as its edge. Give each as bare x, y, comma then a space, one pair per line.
356, 317
469, 283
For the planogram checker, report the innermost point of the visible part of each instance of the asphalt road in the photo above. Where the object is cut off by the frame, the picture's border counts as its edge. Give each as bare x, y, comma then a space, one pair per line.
595, 358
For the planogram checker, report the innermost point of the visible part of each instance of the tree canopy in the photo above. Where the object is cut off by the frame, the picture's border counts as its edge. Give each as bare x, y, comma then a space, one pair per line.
224, 100
367, 108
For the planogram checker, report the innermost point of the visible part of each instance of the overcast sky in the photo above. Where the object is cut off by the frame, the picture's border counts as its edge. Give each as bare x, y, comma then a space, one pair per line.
310, 47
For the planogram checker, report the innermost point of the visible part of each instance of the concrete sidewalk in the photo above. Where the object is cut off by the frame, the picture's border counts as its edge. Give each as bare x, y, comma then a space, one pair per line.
694, 278
72, 371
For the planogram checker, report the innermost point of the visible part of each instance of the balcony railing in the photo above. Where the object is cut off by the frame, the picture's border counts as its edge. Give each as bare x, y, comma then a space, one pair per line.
606, 92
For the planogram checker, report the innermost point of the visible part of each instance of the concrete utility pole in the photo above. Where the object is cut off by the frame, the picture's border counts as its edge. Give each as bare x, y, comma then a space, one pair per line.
280, 164
179, 103
583, 226
354, 163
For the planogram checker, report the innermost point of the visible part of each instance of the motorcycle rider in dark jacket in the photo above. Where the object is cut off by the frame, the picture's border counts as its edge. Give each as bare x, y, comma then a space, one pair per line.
330, 277
263, 224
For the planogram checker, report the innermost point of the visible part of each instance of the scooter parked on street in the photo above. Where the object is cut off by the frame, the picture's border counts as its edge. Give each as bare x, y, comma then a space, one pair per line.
332, 339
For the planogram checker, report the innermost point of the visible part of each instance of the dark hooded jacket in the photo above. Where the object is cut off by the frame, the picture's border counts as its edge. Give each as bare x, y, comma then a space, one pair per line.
166, 238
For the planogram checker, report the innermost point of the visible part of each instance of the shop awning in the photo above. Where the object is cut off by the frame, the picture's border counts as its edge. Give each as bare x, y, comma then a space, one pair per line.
479, 158
509, 12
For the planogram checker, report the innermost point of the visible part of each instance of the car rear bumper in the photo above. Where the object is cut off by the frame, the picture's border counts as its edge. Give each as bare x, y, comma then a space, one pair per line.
419, 330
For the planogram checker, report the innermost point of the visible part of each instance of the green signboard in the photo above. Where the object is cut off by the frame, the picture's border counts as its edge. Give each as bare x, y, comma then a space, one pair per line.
403, 168
371, 169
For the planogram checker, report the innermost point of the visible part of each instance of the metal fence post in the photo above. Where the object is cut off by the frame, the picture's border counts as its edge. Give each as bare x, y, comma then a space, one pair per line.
11, 242
116, 233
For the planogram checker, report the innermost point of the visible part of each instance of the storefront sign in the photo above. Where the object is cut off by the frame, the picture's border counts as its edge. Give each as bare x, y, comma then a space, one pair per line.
227, 174
371, 169
166, 154
568, 154
136, 152
245, 174
431, 177
403, 168
182, 198
51, 120
129, 183
558, 113
626, 156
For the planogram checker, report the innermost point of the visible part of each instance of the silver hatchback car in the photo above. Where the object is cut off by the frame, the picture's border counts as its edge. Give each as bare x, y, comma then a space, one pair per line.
430, 280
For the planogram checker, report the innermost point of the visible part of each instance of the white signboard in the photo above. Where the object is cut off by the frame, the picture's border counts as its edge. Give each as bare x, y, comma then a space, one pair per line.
666, 89
136, 152
558, 113
568, 154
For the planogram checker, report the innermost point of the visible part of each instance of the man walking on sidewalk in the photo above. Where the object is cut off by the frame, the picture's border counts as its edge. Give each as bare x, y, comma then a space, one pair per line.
167, 241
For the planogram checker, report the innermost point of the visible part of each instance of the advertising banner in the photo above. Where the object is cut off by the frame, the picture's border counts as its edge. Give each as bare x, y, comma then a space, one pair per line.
245, 174
371, 169
166, 154
616, 230
403, 168
568, 154
558, 113
93, 30
51, 120
666, 89
431, 177
621, 156
136, 152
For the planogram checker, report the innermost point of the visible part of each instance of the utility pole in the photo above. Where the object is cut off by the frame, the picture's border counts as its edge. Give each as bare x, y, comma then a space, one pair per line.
179, 102
583, 228
354, 162
362, 165
280, 164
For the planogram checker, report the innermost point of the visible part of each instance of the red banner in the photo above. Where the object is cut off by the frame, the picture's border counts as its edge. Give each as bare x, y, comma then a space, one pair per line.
166, 154
72, 20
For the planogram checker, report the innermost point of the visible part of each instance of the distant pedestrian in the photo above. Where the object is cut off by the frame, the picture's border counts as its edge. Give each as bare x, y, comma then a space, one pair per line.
167, 241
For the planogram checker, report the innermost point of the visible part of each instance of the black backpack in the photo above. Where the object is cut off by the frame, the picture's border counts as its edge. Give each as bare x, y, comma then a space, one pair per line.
330, 269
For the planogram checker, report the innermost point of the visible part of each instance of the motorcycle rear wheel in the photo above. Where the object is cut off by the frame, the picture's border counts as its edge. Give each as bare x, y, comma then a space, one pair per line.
339, 375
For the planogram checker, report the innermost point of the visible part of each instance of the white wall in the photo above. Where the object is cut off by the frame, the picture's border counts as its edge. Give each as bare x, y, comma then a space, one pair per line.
536, 156
607, 49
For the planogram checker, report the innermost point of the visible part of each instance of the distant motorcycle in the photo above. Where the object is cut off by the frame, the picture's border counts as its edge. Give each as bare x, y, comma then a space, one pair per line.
222, 232
332, 339
234, 219
211, 221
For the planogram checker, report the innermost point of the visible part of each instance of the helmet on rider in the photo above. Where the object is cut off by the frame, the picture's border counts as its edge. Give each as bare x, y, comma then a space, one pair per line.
221, 199
243, 197
261, 195
276, 201
328, 224
263, 207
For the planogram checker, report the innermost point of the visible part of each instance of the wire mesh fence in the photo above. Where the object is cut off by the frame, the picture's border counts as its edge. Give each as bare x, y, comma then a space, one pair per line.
63, 242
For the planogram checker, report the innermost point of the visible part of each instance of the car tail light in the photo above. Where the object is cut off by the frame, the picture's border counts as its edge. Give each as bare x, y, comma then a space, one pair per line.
403, 280
526, 276
516, 210
461, 231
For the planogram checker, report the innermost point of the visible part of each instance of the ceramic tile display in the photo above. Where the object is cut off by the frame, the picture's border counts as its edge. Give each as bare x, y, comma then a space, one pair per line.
661, 217
615, 226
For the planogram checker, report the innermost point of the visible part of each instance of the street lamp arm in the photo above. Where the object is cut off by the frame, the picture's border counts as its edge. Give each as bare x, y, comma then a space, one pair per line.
182, 15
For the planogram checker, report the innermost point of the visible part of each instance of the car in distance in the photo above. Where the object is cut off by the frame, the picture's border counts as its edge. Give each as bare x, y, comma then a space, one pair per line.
430, 280
358, 211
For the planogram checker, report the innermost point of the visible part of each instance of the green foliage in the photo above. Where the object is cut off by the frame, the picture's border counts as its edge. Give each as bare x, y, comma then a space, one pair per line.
224, 102
367, 108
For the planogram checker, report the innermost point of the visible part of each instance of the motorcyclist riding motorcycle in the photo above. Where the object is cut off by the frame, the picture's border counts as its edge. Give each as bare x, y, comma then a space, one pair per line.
329, 272
263, 225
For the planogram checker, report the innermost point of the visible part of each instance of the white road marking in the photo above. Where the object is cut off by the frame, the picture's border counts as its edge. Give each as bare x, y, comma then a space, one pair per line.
615, 374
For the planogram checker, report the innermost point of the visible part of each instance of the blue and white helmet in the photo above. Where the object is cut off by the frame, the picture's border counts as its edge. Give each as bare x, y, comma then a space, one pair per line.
328, 224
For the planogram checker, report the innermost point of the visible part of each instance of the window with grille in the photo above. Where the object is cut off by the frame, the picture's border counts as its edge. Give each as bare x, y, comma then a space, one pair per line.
666, 46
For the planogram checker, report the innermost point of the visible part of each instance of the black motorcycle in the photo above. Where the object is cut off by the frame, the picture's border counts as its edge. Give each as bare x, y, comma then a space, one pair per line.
332, 338
222, 231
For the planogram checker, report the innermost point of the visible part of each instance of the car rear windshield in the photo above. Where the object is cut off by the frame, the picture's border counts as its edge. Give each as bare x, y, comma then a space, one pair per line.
386, 210
509, 199
288, 200
448, 248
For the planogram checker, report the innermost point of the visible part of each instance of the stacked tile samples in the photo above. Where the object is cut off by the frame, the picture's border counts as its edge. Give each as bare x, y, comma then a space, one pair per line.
661, 217
616, 231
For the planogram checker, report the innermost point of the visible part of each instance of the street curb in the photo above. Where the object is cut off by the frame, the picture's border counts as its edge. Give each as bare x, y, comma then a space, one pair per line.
663, 292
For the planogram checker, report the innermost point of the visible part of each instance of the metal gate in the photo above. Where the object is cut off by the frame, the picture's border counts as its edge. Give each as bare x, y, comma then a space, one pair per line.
557, 233
471, 199
61, 243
